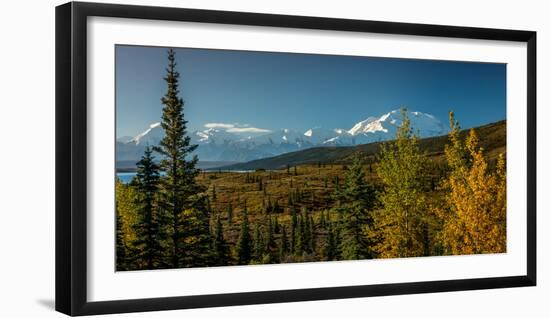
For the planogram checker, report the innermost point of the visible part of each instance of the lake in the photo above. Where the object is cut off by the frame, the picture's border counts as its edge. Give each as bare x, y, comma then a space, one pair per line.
126, 177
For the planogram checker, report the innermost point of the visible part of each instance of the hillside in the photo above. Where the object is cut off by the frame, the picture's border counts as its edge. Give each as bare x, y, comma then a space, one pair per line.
492, 138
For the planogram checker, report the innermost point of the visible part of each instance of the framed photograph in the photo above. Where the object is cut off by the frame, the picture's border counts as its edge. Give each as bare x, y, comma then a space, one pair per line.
208, 158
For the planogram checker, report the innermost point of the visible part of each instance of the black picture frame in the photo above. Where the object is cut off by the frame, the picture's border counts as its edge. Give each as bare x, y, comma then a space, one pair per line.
71, 157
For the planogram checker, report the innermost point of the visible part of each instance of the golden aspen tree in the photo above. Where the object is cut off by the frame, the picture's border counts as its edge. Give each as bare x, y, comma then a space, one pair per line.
475, 215
126, 217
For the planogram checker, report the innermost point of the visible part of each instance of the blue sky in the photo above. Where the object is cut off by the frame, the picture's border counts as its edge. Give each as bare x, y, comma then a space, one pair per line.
261, 91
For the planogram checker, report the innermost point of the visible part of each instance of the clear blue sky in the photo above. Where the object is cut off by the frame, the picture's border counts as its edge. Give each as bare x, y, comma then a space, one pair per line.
300, 91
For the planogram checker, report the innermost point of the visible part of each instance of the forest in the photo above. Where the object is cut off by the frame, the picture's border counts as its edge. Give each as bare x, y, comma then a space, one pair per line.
398, 201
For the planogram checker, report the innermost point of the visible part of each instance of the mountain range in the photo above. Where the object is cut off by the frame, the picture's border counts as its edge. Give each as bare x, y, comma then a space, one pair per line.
221, 145
492, 138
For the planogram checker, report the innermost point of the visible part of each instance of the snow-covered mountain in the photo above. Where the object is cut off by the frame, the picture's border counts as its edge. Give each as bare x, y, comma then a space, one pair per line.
219, 144
385, 127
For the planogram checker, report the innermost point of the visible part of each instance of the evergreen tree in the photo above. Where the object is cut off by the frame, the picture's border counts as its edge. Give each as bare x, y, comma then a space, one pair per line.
269, 243
198, 237
208, 205
306, 231
179, 186
276, 207
219, 245
147, 247
269, 206
402, 170
276, 226
258, 244
299, 238
283, 247
330, 250
311, 232
229, 213
244, 243
293, 225
357, 199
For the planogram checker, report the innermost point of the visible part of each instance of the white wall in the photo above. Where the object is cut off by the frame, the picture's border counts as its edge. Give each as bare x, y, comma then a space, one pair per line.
27, 157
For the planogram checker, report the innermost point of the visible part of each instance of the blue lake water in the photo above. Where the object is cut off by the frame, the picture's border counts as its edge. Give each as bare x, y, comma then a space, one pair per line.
126, 177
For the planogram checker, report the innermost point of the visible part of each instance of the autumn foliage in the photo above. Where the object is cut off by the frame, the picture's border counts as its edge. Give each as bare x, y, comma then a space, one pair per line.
475, 215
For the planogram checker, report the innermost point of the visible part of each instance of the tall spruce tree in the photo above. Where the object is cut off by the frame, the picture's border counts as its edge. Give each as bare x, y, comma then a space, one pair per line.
258, 244
179, 186
293, 228
283, 247
357, 199
219, 245
214, 193
148, 248
270, 245
244, 243
197, 237
229, 213
331, 248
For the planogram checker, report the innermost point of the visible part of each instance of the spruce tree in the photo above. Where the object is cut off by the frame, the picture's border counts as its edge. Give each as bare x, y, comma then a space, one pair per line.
306, 234
299, 238
198, 237
269, 239
276, 226
179, 186
357, 199
293, 225
148, 249
229, 213
330, 250
214, 193
219, 245
283, 247
311, 232
258, 244
244, 243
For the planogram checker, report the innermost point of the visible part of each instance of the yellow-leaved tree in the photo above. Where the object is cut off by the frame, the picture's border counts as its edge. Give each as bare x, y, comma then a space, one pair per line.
474, 219
126, 217
402, 221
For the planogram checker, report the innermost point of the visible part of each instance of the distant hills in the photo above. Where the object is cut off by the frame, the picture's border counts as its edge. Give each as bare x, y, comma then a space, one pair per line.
492, 138
221, 144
